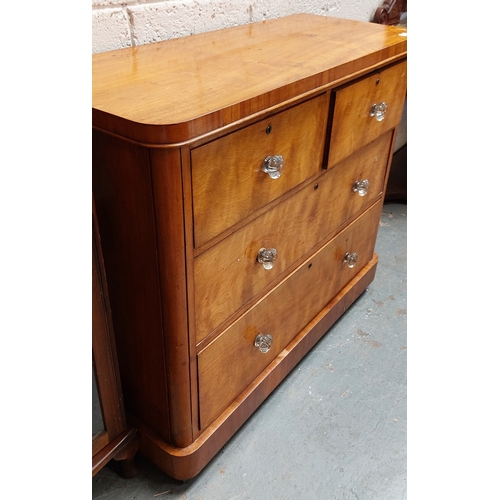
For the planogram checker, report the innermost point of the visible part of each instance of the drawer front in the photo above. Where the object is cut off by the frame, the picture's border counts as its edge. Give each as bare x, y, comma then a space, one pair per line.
228, 179
353, 126
230, 363
228, 274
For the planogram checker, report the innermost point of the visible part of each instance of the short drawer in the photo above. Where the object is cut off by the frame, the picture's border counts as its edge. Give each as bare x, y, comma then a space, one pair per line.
230, 363
228, 179
228, 275
365, 110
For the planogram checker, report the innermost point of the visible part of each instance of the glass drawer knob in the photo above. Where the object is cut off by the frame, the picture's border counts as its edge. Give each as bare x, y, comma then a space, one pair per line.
266, 257
379, 111
263, 342
273, 166
350, 259
361, 187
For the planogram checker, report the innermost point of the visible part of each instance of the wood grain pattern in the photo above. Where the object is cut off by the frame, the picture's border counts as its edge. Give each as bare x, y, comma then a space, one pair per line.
353, 127
228, 274
282, 313
227, 176
185, 463
230, 74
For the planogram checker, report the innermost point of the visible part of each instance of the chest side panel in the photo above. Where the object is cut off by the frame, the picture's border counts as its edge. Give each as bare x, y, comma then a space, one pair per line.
122, 190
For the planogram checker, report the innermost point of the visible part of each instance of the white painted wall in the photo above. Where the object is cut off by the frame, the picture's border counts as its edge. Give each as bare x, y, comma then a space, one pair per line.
124, 23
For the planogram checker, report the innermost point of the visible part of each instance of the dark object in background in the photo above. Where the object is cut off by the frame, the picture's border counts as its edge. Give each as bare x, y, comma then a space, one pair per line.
390, 12
396, 186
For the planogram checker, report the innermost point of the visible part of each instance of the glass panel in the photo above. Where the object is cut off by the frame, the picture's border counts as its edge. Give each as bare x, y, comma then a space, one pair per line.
97, 422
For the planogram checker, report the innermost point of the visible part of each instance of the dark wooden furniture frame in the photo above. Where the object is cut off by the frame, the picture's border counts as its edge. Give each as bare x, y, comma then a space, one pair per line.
117, 441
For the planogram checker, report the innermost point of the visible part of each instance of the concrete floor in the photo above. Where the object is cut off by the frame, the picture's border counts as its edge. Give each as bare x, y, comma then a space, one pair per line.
335, 428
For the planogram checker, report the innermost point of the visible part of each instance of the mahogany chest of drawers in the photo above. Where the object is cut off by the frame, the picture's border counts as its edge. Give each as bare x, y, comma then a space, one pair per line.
238, 178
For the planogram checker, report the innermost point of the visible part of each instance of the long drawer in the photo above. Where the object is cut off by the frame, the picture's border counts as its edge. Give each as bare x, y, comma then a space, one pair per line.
365, 110
230, 363
228, 274
228, 179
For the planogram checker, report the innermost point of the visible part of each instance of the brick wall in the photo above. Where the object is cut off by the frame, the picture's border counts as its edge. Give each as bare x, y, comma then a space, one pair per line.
117, 24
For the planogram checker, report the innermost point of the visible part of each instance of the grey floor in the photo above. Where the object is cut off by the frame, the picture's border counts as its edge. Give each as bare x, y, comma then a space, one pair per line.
335, 428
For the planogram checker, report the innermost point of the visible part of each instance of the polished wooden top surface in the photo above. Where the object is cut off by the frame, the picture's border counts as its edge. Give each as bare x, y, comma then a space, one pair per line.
175, 90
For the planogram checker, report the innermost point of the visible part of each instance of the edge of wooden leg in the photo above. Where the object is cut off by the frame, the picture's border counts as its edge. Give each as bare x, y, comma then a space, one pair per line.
122, 448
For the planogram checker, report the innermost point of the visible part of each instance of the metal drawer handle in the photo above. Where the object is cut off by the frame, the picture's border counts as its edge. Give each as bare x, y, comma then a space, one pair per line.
379, 111
350, 259
263, 342
361, 187
267, 257
273, 166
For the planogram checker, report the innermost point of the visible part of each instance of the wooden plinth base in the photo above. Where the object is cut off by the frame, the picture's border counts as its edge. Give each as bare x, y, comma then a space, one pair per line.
185, 463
